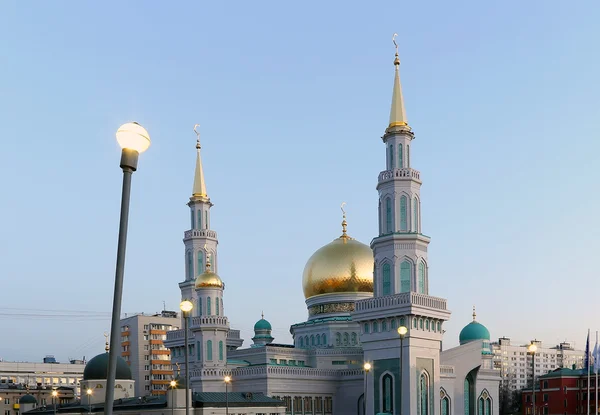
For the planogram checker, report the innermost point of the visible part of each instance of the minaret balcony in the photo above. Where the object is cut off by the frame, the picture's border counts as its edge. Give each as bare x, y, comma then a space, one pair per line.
204, 321
401, 174
199, 233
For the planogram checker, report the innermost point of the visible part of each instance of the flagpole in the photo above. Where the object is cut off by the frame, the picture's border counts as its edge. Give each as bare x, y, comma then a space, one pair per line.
588, 370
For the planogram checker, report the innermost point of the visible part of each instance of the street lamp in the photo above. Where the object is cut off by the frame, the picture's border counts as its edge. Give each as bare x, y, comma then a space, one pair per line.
54, 395
133, 139
367, 367
402, 332
227, 381
532, 349
89, 394
186, 306
173, 384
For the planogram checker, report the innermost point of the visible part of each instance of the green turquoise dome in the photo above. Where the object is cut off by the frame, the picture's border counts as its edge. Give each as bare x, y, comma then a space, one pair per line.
28, 399
262, 324
97, 368
473, 331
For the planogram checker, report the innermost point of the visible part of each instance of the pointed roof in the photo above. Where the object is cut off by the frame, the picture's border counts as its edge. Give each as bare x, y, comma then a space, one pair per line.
397, 112
199, 189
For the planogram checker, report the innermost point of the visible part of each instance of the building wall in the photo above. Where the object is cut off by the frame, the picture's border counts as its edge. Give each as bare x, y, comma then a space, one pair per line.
41, 374
142, 347
9, 398
566, 394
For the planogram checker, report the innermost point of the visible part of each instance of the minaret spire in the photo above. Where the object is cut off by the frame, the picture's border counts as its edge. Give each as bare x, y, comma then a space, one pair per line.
199, 189
474, 315
397, 113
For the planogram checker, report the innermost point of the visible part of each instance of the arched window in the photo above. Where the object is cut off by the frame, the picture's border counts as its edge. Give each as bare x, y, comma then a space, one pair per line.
323, 339
384, 325
407, 156
445, 406
421, 323
403, 214
388, 215
200, 263
414, 322
217, 305
393, 324
220, 350
301, 342
400, 158
354, 339
312, 340
199, 351
190, 266
192, 217
391, 157
415, 215
421, 281
439, 326
306, 341
208, 307
199, 224
387, 283
405, 276
424, 393
402, 321
346, 339
206, 219
426, 324
199, 306
375, 327
387, 386
366, 327
468, 393
488, 406
338, 339
484, 403
209, 350
318, 340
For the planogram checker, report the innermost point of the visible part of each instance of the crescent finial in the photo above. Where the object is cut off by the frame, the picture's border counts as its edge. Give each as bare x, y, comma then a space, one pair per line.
197, 136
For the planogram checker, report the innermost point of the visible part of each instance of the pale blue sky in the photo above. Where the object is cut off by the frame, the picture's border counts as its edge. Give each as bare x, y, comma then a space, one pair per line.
292, 100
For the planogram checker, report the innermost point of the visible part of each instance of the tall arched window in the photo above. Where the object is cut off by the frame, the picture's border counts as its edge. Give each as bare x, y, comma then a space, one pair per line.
375, 327
338, 339
199, 223
366, 327
200, 263
484, 403
388, 215
403, 213
424, 393
206, 219
353, 339
391, 157
209, 350
192, 217
199, 306
312, 340
190, 266
318, 340
301, 342
387, 386
323, 339
199, 350
407, 156
421, 281
488, 406
400, 158
468, 393
217, 306
445, 406
415, 215
384, 325
402, 321
208, 307
221, 350
405, 276
387, 283
306, 341
346, 339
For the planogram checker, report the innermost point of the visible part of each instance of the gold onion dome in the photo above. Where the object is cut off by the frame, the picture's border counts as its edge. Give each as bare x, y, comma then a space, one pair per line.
208, 279
342, 266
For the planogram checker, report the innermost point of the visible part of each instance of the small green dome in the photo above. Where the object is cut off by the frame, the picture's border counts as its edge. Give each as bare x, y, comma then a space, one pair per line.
473, 331
97, 368
28, 399
262, 324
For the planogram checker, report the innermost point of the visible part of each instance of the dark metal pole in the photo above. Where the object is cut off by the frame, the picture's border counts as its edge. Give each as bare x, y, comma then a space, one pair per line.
401, 376
533, 379
226, 399
365, 394
187, 365
172, 401
129, 159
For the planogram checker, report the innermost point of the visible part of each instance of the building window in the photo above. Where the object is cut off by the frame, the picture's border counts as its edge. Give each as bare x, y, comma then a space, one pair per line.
405, 276
199, 224
206, 219
445, 406
200, 263
415, 215
384, 325
221, 350
199, 351
424, 393
209, 350
346, 339
375, 327
421, 277
388, 215
403, 214
366, 327
387, 283
217, 306
208, 307
192, 217
354, 339
199, 306
407, 156
400, 158
301, 342
391, 157
387, 385
323, 339
402, 321
190, 267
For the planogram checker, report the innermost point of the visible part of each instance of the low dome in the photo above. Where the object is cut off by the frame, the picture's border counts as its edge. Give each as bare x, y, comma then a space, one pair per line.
208, 279
97, 368
262, 324
473, 331
28, 399
344, 265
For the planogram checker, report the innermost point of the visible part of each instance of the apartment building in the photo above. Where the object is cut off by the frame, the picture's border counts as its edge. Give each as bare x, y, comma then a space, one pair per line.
142, 347
515, 362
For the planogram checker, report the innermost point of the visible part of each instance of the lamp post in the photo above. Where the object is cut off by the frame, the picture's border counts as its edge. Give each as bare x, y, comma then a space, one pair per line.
186, 306
367, 367
89, 394
402, 332
173, 384
532, 349
227, 381
54, 396
133, 139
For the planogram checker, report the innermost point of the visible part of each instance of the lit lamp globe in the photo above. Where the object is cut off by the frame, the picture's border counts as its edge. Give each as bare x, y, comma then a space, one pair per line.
133, 136
54, 394
402, 331
186, 306
367, 367
89, 392
532, 348
227, 379
173, 384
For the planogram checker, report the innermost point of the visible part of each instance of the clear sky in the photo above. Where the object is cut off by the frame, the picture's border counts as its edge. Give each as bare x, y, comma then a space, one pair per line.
292, 99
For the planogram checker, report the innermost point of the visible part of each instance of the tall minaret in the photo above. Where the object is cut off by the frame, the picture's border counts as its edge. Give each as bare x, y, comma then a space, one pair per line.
401, 290
199, 235
400, 248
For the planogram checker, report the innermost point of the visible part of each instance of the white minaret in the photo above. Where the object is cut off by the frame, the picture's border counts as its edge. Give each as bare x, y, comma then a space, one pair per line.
401, 288
199, 235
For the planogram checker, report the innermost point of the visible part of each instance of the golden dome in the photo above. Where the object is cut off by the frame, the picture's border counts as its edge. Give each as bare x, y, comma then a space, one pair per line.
344, 265
208, 279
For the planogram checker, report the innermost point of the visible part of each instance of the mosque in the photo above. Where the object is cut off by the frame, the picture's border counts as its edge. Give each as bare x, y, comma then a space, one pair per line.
359, 298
